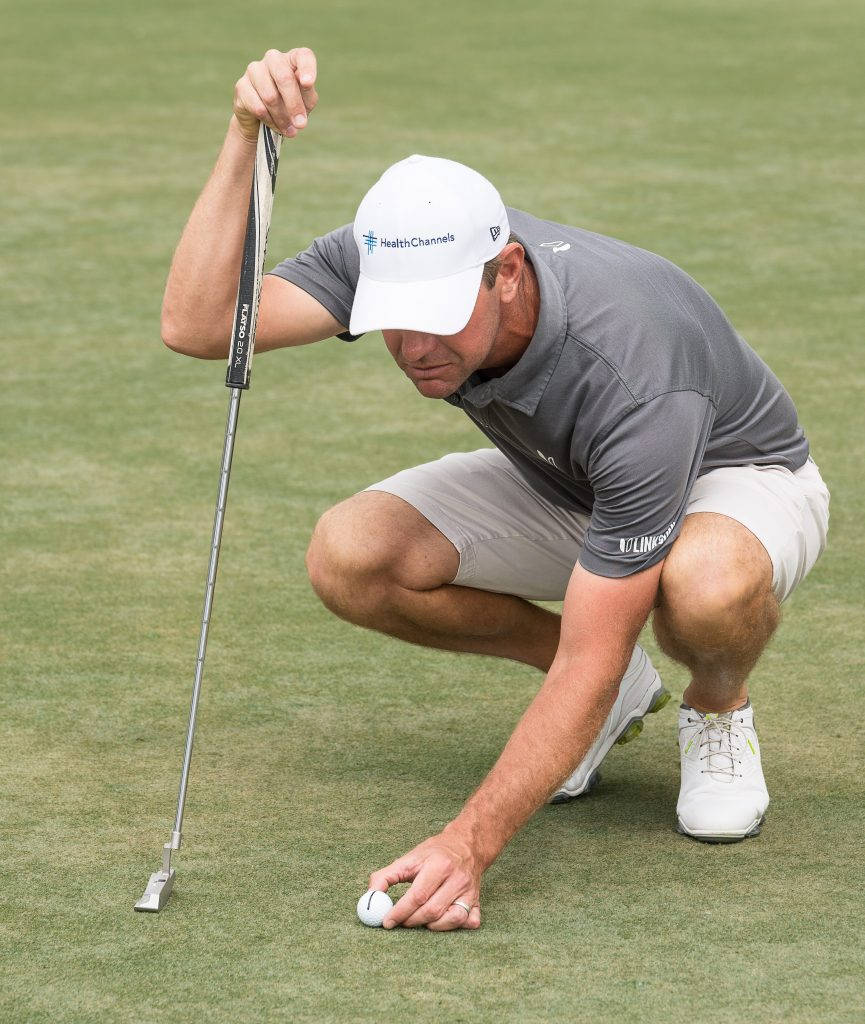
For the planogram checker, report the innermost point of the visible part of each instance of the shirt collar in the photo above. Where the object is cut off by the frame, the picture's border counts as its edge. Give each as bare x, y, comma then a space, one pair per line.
523, 385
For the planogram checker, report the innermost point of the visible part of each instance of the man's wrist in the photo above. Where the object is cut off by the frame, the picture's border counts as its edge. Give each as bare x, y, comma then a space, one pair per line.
470, 830
235, 130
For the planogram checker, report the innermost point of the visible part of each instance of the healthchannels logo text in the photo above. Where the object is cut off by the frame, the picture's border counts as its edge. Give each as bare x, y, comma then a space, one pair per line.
415, 242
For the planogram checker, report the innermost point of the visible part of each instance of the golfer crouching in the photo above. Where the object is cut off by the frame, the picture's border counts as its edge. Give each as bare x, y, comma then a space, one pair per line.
644, 462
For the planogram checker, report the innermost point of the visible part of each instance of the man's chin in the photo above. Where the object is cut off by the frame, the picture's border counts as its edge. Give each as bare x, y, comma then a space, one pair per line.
435, 388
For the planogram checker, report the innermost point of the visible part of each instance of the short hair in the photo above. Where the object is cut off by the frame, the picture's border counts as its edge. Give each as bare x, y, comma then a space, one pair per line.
491, 268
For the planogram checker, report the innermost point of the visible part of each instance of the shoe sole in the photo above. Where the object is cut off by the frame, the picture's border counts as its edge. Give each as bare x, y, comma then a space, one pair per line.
591, 782
754, 830
629, 730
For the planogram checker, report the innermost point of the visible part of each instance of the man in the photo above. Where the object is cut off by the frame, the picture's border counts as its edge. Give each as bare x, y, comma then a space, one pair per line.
646, 461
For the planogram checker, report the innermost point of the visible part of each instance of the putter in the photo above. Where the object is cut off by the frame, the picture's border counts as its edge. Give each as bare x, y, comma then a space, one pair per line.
237, 378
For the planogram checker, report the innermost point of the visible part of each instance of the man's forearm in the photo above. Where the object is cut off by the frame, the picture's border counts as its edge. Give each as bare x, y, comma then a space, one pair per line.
550, 740
202, 283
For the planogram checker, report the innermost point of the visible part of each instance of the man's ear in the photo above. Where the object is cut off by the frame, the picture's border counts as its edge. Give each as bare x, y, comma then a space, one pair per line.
512, 258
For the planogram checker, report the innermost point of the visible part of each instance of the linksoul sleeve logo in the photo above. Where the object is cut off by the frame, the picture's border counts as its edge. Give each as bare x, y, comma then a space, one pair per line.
642, 545
371, 241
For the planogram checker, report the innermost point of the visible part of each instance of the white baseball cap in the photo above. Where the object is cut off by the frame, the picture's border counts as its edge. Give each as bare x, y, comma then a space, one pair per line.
424, 232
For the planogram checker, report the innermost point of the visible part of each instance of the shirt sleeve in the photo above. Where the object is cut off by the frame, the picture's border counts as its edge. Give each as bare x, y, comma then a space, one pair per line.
328, 270
642, 472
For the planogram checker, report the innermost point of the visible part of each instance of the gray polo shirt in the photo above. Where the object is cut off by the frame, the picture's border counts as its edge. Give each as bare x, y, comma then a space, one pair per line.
633, 385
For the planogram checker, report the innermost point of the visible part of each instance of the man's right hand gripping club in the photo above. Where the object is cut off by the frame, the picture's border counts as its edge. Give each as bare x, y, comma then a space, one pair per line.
278, 90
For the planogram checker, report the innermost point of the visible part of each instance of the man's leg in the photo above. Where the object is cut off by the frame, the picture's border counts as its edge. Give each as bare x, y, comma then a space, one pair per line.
716, 610
377, 562
386, 559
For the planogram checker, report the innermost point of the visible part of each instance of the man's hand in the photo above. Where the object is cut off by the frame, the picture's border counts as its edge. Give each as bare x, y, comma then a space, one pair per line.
444, 869
279, 90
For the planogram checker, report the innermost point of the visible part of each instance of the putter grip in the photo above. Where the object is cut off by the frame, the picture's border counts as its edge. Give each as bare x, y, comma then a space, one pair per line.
252, 264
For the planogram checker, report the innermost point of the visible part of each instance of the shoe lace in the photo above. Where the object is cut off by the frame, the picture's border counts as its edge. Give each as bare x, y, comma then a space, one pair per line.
722, 738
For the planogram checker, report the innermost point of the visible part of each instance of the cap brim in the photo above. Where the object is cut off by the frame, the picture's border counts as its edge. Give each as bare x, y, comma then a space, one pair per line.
441, 306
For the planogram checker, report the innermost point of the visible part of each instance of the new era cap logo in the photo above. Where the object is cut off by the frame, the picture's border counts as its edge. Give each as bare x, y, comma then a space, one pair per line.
495, 232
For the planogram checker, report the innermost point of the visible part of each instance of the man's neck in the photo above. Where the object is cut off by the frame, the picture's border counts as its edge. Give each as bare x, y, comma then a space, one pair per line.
518, 326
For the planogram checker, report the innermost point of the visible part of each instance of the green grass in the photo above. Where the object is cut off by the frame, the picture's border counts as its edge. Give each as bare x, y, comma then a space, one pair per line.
727, 136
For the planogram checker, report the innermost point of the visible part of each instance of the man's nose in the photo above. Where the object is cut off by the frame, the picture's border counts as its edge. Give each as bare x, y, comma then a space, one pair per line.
416, 346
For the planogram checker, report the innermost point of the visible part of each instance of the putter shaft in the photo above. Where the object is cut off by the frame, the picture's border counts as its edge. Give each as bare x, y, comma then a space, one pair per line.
161, 882
216, 540
237, 379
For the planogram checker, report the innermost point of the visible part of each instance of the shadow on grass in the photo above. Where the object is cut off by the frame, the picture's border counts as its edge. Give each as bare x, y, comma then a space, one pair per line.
624, 801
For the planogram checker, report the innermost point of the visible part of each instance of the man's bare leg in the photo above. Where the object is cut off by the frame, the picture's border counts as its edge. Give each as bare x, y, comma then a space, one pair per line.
716, 610
377, 562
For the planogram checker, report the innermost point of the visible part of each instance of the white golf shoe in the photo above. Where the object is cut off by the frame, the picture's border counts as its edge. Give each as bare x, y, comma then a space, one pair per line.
641, 693
723, 797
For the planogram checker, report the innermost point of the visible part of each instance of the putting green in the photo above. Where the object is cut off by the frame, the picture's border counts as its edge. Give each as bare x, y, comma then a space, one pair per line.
727, 137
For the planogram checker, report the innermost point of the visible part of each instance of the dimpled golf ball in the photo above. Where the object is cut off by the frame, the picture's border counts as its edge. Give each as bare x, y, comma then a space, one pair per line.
373, 906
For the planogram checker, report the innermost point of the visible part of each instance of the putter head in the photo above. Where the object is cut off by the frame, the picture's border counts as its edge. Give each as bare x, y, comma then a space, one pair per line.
157, 892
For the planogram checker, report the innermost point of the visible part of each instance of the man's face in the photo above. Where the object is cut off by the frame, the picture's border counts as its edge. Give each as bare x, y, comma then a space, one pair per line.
438, 363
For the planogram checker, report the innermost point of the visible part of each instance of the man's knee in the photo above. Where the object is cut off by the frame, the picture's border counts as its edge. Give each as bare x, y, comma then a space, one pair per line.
717, 576
370, 544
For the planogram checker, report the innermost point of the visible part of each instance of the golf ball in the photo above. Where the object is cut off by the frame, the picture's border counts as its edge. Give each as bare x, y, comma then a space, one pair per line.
373, 906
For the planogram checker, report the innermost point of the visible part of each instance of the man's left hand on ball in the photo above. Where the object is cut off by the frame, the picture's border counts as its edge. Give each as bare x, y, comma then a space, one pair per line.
442, 870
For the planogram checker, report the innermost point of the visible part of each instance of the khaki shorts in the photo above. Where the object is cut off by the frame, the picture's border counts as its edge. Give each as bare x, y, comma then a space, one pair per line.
513, 541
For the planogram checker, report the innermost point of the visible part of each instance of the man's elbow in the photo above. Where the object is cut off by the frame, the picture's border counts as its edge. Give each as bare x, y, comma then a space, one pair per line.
182, 338
173, 337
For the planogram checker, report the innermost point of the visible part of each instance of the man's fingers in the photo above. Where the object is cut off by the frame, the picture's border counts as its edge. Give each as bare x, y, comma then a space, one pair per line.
401, 870
424, 887
306, 74
456, 917
282, 73
303, 61
433, 908
457, 885
453, 918
310, 99
261, 78
247, 100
